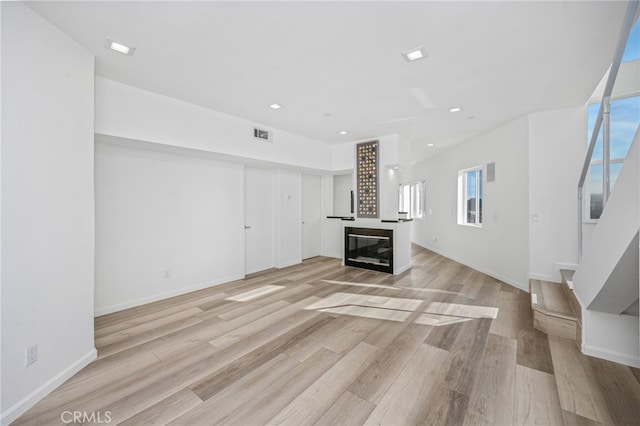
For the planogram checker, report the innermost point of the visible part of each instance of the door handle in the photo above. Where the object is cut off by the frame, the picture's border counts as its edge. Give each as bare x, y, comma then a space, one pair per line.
247, 227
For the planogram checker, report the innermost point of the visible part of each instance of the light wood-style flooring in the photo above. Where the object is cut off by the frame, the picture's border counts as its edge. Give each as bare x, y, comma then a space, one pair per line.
319, 343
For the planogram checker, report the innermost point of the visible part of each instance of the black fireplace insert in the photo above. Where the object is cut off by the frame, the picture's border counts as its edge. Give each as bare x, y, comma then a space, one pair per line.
369, 248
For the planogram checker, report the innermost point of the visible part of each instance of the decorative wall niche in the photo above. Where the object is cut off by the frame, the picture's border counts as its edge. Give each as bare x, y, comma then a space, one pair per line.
367, 179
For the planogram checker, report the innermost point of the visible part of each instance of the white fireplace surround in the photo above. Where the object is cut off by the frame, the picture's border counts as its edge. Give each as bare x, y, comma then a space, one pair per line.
401, 240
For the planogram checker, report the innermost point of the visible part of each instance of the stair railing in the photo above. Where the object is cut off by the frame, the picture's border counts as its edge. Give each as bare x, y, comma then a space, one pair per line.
602, 120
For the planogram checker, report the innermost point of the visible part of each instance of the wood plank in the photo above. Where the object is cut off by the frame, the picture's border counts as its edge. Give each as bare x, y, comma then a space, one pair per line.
166, 410
348, 409
417, 378
506, 324
311, 404
148, 335
155, 314
144, 328
492, 400
211, 329
217, 408
374, 382
536, 398
619, 388
577, 386
266, 322
134, 383
265, 405
572, 419
463, 362
258, 349
444, 407
533, 345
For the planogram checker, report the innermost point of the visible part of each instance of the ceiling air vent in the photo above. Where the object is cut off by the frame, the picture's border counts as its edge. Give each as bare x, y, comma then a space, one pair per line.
263, 135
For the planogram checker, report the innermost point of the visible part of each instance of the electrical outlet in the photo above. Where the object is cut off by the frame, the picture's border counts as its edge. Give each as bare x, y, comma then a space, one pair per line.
167, 274
31, 355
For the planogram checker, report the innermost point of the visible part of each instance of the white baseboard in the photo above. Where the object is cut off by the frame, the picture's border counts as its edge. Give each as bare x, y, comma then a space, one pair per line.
289, 263
401, 270
177, 292
500, 277
20, 407
620, 358
541, 277
569, 266
334, 255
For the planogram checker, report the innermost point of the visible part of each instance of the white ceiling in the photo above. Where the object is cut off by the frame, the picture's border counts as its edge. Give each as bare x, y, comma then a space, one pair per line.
500, 60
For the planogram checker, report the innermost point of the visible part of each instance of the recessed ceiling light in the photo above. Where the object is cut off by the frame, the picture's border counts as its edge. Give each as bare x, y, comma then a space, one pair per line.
275, 106
470, 117
431, 144
455, 109
119, 47
344, 132
414, 54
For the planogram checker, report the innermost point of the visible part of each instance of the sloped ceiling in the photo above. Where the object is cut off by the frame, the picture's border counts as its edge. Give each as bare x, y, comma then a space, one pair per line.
338, 66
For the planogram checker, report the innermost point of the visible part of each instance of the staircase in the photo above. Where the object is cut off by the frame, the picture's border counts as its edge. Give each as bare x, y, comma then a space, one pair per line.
556, 310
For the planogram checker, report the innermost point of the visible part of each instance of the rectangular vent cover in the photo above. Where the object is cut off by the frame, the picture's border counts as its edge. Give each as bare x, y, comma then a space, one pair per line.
491, 172
264, 135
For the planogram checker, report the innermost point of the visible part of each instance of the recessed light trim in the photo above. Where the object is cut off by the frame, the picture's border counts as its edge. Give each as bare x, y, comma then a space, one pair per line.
119, 47
275, 106
414, 54
455, 109
431, 144
343, 132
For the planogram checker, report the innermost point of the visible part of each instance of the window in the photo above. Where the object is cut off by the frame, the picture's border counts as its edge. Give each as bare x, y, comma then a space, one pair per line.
632, 49
411, 199
624, 118
470, 196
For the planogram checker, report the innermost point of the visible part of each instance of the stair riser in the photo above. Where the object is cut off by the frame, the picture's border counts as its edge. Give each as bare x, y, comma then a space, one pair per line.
573, 301
555, 326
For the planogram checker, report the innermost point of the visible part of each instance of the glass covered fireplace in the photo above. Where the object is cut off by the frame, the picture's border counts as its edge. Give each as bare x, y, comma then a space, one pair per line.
369, 248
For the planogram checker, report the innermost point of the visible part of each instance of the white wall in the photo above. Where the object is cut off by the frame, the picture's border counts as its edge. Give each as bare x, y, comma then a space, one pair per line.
128, 112
501, 247
612, 337
47, 207
288, 218
342, 187
557, 146
331, 240
159, 212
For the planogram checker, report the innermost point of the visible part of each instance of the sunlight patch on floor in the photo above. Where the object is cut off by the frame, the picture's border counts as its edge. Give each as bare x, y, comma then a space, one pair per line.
436, 314
368, 312
255, 293
465, 311
388, 287
350, 284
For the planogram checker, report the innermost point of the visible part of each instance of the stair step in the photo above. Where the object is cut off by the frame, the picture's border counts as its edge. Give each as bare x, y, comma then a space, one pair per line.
552, 311
567, 277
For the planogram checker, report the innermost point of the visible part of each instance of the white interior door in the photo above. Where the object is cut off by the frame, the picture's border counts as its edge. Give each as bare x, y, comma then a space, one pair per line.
311, 233
259, 214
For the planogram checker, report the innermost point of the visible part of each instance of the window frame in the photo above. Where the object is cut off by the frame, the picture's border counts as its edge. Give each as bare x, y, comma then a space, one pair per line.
587, 218
462, 199
417, 199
